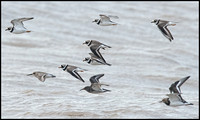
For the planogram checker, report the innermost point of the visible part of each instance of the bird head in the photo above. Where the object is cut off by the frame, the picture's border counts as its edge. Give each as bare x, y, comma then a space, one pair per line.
165, 100
154, 21
8, 29
86, 59
87, 42
85, 88
31, 74
62, 66
96, 20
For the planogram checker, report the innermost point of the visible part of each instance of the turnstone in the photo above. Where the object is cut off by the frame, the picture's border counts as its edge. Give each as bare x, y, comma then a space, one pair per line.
175, 93
162, 25
18, 26
105, 20
73, 70
95, 86
94, 60
95, 47
42, 75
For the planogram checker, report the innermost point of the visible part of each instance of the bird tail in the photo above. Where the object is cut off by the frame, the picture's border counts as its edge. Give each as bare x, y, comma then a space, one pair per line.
105, 90
172, 23
190, 104
53, 76
105, 46
108, 64
104, 84
112, 16
81, 70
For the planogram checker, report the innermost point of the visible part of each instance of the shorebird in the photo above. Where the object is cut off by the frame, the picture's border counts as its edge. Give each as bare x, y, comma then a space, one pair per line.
94, 60
174, 100
95, 47
73, 70
18, 26
95, 86
42, 75
175, 94
162, 26
105, 20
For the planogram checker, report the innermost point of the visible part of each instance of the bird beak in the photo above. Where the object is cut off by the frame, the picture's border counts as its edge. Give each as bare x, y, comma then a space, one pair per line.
81, 89
60, 67
30, 74
160, 101
6, 29
152, 21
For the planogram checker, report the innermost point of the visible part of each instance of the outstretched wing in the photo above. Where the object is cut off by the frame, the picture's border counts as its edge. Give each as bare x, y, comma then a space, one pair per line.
93, 56
181, 81
19, 22
41, 76
95, 78
95, 49
99, 60
104, 17
76, 75
174, 97
96, 86
163, 28
112, 16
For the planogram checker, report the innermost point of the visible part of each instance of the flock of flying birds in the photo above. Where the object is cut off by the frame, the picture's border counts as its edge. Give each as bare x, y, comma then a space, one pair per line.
174, 98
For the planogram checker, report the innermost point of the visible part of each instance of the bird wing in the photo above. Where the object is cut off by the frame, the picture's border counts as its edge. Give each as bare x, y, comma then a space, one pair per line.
76, 75
163, 28
97, 59
174, 97
49, 75
96, 87
95, 49
107, 46
19, 22
116, 17
93, 55
95, 78
77, 69
42, 78
181, 81
104, 17
24, 19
